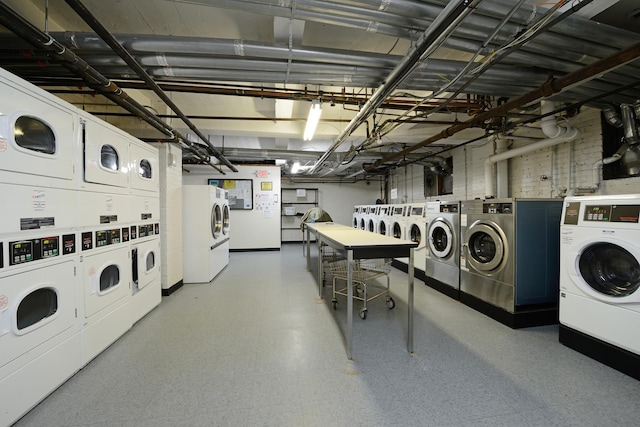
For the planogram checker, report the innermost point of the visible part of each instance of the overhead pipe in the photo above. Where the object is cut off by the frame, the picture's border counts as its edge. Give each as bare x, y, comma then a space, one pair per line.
88, 17
446, 22
550, 87
556, 134
23, 28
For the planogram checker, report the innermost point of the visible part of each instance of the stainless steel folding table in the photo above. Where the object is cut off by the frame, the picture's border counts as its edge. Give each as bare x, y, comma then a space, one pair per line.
360, 244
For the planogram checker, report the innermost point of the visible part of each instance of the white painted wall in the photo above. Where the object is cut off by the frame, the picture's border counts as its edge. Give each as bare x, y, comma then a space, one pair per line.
565, 166
170, 161
339, 199
258, 228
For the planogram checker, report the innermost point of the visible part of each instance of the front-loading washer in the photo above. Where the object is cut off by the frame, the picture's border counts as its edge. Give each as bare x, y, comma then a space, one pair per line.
39, 326
384, 220
222, 240
415, 225
442, 257
38, 136
397, 221
106, 283
202, 230
509, 264
600, 279
355, 217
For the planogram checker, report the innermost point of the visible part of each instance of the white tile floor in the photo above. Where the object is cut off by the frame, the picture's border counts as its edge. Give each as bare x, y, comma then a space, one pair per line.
257, 347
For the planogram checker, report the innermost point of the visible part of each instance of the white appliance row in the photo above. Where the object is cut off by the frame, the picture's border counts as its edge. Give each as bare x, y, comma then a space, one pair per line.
79, 240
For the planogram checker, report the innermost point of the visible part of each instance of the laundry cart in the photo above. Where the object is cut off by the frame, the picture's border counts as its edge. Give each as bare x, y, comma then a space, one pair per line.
365, 275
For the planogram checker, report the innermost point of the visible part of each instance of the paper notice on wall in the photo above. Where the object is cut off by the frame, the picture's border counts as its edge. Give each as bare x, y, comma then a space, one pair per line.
301, 192
394, 193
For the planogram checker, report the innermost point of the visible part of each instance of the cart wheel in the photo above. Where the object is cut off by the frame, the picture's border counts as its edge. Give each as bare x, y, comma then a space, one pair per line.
335, 304
390, 303
363, 313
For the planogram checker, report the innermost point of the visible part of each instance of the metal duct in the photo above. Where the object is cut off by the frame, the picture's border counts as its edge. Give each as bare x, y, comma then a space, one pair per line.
631, 135
84, 13
451, 16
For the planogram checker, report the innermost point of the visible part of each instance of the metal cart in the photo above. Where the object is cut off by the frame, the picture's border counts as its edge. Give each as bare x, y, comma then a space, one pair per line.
365, 271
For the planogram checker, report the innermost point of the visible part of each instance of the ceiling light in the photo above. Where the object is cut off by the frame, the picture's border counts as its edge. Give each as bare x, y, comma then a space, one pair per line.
313, 119
295, 167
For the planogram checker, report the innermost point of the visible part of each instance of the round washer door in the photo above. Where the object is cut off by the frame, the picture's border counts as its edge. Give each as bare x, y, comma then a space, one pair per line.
216, 221
225, 219
440, 239
486, 245
610, 269
415, 234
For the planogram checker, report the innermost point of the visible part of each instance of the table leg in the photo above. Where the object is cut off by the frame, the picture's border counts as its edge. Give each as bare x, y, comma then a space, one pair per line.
410, 326
349, 302
320, 266
308, 249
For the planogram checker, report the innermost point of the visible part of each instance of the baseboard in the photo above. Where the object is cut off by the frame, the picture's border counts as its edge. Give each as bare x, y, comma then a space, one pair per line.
526, 318
172, 289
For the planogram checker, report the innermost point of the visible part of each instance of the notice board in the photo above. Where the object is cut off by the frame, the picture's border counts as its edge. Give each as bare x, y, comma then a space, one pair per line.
240, 192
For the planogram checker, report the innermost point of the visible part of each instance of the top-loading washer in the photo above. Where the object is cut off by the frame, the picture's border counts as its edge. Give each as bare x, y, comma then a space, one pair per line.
442, 267
38, 136
509, 263
600, 279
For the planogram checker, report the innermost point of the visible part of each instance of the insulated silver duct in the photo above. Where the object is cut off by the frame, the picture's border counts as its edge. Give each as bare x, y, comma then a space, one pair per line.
631, 135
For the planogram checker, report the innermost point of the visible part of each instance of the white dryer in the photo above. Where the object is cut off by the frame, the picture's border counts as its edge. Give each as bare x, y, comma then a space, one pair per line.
106, 283
38, 136
106, 158
600, 279
144, 170
442, 255
39, 327
146, 286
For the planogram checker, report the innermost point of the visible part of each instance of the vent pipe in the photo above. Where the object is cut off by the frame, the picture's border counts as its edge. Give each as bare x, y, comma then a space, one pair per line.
556, 134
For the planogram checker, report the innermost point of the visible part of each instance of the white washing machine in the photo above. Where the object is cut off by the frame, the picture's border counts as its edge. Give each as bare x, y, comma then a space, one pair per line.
222, 242
106, 159
397, 221
202, 231
106, 282
442, 268
384, 220
38, 136
355, 218
39, 326
600, 279
415, 229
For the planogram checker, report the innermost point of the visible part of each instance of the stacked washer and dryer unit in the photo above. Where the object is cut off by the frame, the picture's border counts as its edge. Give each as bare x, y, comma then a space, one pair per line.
65, 265
509, 264
206, 232
600, 279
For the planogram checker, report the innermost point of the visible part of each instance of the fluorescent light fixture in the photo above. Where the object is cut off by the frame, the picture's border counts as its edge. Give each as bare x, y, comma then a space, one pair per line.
312, 120
295, 168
